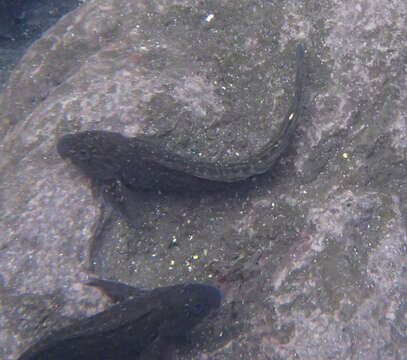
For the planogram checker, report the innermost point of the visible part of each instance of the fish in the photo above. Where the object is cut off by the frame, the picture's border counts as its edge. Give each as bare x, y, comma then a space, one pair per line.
145, 164
143, 324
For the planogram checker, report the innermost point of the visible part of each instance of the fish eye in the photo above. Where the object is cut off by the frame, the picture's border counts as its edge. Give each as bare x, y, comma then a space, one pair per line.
194, 310
83, 154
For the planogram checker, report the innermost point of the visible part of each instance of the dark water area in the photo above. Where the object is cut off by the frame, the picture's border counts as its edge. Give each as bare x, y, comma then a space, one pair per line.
21, 23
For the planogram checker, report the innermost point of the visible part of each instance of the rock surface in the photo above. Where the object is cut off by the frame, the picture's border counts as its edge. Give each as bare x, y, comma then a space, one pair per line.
310, 257
21, 23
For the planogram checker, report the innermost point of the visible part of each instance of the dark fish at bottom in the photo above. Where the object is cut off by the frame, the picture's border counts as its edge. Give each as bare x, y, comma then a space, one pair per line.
143, 325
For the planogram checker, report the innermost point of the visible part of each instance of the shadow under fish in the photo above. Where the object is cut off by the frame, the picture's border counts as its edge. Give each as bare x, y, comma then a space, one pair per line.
142, 325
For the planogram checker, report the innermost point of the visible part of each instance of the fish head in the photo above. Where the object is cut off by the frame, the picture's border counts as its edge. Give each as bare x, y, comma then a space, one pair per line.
96, 153
188, 305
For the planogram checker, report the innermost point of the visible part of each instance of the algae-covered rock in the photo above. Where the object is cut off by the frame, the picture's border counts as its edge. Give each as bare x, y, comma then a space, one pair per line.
310, 257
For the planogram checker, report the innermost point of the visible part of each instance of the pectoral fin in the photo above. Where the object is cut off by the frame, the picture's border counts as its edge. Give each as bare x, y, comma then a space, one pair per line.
116, 291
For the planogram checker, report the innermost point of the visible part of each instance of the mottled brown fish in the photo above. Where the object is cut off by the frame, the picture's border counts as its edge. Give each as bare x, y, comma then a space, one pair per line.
143, 165
143, 325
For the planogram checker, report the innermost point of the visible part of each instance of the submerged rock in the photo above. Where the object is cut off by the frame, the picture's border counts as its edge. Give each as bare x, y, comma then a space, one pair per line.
188, 76
311, 257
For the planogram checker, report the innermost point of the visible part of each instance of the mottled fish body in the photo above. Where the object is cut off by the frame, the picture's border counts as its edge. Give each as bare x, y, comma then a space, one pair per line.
143, 325
142, 164
138, 164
